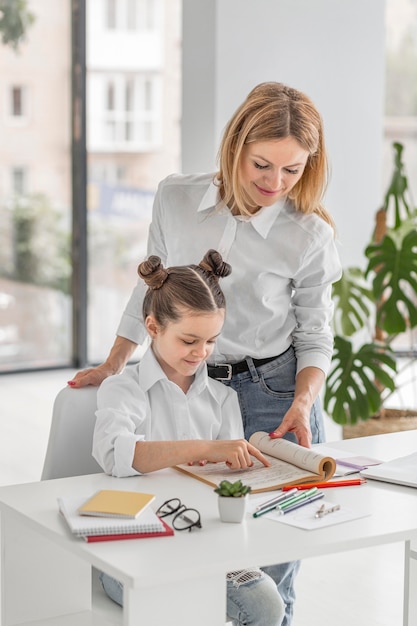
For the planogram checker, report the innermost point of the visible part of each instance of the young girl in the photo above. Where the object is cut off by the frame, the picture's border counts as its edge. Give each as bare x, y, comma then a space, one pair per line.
166, 410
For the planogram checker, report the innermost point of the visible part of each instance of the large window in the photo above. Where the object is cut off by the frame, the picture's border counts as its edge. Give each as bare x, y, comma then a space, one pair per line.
401, 85
401, 127
35, 203
132, 111
133, 117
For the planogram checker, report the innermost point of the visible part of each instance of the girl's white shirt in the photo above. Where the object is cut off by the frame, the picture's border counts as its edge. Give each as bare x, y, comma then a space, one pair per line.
283, 266
142, 404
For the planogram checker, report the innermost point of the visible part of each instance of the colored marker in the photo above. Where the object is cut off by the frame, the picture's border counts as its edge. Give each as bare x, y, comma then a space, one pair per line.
277, 499
297, 505
338, 483
297, 498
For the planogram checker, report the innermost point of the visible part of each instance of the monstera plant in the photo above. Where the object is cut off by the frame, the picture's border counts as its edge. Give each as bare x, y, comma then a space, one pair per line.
373, 306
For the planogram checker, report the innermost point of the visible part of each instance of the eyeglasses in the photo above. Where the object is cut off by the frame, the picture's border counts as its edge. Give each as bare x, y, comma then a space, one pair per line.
185, 519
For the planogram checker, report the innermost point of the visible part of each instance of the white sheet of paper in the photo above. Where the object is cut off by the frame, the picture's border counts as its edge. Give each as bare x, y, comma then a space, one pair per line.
304, 516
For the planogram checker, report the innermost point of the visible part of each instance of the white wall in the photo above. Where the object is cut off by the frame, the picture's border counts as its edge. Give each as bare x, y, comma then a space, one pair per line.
331, 49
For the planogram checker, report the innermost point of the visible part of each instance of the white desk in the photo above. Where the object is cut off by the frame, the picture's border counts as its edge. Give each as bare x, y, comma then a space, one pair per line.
46, 573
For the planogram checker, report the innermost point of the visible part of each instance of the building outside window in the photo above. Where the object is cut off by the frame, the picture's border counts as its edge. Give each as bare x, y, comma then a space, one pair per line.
35, 205
133, 141
133, 118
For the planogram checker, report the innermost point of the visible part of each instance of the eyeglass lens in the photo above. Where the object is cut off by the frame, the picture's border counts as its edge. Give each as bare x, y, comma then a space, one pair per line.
187, 518
184, 518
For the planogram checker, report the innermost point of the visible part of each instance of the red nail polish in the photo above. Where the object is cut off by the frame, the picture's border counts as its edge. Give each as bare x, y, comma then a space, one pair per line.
71, 383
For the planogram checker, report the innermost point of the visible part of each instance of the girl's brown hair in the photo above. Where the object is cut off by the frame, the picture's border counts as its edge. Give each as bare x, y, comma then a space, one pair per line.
193, 287
273, 111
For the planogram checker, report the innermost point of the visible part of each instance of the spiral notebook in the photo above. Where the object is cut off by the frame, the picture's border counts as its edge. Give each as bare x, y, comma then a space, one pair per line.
82, 526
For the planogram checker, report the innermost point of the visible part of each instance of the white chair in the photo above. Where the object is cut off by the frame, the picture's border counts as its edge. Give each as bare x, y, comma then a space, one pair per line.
69, 454
71, 436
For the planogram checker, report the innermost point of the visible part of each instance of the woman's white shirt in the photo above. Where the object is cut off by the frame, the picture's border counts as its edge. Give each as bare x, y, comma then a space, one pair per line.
142, 404
283, 266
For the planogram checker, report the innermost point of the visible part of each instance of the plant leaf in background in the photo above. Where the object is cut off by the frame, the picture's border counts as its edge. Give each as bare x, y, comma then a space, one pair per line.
15, 19
353, 302
352, 388
395, 267
397, 189
373, 308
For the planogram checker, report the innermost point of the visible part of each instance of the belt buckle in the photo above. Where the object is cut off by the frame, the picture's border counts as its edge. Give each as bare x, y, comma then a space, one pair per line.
229, 370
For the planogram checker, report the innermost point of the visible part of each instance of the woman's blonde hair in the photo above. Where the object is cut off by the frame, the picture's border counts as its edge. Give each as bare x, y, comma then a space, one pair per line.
274, 111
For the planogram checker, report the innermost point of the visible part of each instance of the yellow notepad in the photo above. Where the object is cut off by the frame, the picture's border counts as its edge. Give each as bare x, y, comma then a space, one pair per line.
115, 503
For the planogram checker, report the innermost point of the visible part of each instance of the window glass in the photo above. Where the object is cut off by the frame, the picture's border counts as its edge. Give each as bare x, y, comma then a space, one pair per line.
401, 86
401, 112
35, 269
133, 142
17, 108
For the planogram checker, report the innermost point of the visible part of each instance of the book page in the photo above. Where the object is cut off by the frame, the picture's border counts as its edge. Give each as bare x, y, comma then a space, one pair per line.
259, 477
306, 458
295, 465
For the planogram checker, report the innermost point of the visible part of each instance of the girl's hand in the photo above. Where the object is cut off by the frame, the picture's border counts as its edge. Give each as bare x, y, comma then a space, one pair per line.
237, 454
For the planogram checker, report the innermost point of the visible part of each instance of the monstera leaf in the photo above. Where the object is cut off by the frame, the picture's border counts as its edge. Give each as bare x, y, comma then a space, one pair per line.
394, 262
353, 387
354, 302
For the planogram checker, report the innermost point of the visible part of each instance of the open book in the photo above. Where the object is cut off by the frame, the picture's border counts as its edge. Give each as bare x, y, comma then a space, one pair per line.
291, 464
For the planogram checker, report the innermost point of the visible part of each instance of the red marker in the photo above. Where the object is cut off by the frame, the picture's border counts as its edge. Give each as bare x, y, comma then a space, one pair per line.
339, 483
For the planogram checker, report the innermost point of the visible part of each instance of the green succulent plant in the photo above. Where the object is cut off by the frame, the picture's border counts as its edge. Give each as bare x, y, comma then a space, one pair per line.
232, 490
372, 307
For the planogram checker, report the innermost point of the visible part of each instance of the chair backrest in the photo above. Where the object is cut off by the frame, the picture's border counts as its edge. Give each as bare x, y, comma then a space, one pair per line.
71, 436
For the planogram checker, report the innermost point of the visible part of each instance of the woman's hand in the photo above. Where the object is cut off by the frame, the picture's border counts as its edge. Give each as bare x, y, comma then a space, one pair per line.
296, 421
308, 383
92, 376
120, 353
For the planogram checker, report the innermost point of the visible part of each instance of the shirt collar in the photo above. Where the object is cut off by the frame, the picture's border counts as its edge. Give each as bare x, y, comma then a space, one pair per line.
150, 372
262, 221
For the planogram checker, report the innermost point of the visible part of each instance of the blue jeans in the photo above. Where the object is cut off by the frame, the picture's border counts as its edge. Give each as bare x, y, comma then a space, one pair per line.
265, 395
252, 597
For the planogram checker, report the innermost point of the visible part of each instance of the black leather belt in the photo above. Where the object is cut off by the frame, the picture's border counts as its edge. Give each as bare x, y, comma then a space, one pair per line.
225, 371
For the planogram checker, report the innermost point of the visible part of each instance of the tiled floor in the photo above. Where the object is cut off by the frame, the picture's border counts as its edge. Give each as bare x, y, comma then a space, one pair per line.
363, 588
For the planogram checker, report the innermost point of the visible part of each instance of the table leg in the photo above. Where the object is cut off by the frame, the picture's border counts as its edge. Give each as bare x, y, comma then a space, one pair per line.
198, 600
39, 579
410, 584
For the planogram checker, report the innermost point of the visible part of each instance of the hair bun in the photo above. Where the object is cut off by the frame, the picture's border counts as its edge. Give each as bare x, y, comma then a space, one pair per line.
153, 272
213, 264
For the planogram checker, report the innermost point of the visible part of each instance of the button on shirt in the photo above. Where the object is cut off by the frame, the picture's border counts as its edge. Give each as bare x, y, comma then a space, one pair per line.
142, 404
283, 265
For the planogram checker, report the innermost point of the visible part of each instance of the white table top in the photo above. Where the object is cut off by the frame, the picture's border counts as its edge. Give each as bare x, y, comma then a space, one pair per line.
222, 547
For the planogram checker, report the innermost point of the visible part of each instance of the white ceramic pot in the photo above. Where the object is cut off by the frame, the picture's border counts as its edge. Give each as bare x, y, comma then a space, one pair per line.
232, 509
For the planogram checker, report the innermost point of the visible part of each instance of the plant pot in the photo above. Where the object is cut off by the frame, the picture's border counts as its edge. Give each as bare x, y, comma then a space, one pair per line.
232, 509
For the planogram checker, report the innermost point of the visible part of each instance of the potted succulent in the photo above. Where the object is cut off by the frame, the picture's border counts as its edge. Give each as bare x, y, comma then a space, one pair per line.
232, 499
374, 307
